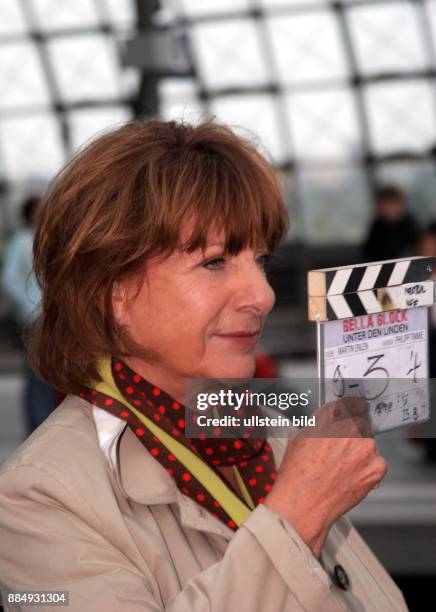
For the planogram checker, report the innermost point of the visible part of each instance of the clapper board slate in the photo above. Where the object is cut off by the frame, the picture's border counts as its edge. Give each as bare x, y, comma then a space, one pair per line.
339, 293
372, 336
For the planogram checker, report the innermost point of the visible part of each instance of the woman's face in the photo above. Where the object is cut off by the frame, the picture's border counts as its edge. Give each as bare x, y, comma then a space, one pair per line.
198, 314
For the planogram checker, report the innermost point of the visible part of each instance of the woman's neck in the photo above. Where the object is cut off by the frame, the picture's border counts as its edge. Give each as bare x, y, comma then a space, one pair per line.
171, 384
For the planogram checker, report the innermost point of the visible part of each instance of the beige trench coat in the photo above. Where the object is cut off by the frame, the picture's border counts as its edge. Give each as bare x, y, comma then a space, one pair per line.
134, 542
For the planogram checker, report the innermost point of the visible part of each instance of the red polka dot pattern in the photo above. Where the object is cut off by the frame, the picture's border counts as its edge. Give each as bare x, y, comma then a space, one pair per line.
252, 456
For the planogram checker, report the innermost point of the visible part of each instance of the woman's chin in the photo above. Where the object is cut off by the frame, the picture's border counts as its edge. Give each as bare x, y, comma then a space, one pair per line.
241, 367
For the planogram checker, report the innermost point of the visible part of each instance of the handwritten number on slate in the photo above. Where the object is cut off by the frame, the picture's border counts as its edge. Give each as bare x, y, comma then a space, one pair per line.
338, 378
416, 365
374, 359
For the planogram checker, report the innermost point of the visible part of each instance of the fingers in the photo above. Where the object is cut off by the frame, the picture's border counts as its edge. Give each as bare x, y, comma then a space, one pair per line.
363, 426
350, 418
379, 469
347, 417
350, 407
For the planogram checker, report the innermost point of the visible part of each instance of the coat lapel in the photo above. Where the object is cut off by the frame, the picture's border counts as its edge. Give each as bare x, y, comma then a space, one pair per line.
145, 481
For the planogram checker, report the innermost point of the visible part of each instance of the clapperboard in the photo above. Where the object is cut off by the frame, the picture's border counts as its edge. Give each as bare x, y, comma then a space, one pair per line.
372, 336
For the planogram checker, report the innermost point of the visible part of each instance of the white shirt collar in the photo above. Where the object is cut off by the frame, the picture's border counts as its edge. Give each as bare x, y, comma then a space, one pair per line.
109, 428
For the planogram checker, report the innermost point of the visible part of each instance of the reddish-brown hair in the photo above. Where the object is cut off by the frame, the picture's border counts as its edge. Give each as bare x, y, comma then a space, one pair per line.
123, 199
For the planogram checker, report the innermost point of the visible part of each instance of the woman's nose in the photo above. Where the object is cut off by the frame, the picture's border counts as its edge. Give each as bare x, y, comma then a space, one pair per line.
254, 291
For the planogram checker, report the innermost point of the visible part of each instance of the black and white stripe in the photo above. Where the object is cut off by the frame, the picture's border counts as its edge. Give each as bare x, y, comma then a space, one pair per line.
365, 277
345, 306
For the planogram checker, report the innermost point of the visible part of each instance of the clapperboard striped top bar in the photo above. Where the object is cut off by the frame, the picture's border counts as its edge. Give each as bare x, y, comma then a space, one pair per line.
348, 291
374, 275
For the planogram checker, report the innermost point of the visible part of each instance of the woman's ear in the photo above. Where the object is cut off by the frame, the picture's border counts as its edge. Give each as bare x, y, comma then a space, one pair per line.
119, 303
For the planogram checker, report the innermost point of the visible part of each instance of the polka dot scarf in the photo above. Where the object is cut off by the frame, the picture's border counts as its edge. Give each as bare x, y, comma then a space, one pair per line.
253, 457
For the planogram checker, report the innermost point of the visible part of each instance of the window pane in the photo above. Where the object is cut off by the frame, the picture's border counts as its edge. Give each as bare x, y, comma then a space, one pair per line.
177, 88
86, 67
178, 100
387, 38
194, 8
335, 206
300, 4
122, 12
228, 53
324, 125
31, 146
253, 116
87, 123
307, 47
401, 116
11, 18
25, 86
55, 14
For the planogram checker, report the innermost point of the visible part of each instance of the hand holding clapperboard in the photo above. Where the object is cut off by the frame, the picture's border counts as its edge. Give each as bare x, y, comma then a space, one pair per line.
372, 336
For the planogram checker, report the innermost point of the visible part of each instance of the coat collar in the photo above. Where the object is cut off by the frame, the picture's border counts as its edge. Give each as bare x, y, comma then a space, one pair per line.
157, 487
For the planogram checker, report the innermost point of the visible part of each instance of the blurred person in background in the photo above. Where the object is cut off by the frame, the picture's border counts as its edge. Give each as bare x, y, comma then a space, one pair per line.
151, 250
393, 232
20, 286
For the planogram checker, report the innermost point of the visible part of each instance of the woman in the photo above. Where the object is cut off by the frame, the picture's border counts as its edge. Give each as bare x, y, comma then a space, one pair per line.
150, 252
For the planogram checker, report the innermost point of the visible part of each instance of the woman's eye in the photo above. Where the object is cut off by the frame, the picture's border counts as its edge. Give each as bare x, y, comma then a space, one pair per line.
218, 263
214, 264
264, 260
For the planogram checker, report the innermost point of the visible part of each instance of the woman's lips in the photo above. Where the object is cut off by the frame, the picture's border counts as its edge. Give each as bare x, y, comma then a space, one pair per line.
244, 338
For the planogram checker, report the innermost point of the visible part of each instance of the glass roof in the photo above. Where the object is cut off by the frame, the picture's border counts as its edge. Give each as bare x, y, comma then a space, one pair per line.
341, 95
